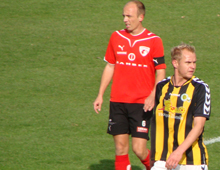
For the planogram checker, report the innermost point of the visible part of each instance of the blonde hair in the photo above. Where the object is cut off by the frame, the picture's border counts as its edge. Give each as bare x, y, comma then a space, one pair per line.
176, 52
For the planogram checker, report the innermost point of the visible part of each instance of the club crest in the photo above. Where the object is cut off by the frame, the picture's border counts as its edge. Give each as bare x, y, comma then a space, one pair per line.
144, 50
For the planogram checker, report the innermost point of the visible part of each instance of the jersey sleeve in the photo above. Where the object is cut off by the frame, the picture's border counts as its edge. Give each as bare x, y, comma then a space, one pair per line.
203, 102
110, 55
159, 88
158, 54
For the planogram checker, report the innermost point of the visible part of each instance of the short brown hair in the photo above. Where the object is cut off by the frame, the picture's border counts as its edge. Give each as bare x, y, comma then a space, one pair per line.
176, 52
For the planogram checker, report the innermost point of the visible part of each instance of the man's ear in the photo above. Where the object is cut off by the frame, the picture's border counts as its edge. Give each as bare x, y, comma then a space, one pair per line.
175, 63
141, 17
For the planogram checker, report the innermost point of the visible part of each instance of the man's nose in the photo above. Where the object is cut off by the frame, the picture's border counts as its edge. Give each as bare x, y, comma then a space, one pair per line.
125, 19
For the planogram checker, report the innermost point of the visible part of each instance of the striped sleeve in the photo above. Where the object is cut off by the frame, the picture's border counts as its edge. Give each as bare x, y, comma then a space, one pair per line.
203, 102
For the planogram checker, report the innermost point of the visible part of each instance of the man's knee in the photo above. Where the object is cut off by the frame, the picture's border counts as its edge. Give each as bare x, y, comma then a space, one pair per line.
121, 149
121, 144
140, 152
139, 148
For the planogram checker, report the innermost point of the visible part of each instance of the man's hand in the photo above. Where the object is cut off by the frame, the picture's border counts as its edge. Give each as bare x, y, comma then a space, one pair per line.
173, 160
97, 104
150, 100
149, 103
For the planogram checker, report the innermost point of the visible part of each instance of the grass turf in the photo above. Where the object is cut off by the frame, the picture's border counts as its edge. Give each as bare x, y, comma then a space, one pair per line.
51, 64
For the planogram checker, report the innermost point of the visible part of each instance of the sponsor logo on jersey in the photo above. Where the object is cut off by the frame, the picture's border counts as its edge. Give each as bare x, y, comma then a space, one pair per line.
110, 123
122, 52
131, 56
144, 50
184, 97
142, 129
121, 47
172, 110
207, 104
177, 95
202, 167
207, 101
131, 64
155, 61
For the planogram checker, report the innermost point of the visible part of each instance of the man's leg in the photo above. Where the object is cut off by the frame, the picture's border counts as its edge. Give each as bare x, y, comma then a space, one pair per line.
121, 152
139, 146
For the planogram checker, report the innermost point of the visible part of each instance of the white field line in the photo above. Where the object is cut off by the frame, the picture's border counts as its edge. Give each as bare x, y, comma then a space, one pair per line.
211, 141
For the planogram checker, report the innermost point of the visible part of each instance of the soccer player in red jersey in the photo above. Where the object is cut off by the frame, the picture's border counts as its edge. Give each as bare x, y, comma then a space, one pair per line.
135, 64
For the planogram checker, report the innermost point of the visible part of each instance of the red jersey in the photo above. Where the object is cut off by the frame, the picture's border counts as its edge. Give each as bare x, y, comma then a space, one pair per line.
136, 59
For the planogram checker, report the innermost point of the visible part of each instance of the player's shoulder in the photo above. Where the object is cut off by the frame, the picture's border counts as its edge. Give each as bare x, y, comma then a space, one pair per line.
199, 83
200, 86
116, 34
167, 79
150, 34
120, 33
164, 81
123, 31
162, 84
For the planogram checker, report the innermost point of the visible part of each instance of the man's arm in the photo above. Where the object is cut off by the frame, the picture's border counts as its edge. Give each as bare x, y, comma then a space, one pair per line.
105, 80
150, 101
196, 131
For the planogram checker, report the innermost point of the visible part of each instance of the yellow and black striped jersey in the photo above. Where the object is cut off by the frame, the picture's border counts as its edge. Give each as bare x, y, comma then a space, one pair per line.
175, 109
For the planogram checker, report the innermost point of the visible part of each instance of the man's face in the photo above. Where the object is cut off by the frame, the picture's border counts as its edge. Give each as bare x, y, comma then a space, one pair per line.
131, 19
186, 66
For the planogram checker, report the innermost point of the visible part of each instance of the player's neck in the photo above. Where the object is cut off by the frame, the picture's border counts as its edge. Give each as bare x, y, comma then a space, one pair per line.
178, 81
137, 31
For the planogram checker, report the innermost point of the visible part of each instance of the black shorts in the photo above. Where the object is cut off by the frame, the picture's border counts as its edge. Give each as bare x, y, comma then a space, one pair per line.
129, 118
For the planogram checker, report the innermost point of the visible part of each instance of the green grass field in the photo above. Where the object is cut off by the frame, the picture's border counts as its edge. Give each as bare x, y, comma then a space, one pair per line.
51, 61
